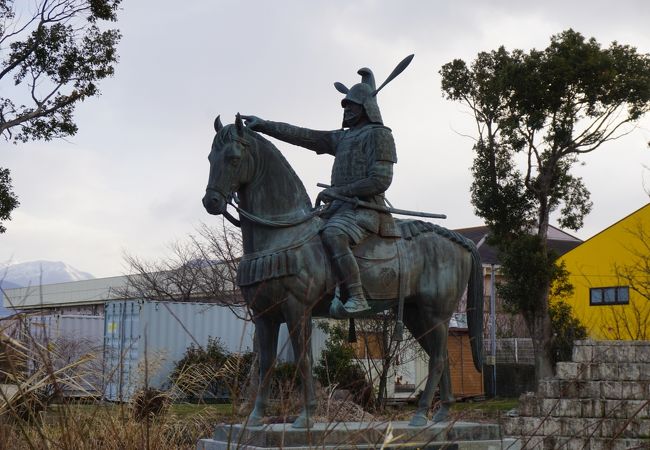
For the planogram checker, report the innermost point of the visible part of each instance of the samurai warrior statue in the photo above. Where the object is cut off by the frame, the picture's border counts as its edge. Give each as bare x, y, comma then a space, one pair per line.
364, 152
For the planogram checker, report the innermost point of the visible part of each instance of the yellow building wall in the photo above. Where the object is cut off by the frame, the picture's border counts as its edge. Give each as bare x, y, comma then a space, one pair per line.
592, 265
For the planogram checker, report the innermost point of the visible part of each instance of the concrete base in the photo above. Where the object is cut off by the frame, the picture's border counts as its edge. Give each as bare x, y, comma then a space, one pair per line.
360, 435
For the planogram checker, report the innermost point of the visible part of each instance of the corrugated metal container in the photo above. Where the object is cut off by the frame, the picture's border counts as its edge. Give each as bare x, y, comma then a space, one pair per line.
143, 340
69, 338
77, 327
318, 338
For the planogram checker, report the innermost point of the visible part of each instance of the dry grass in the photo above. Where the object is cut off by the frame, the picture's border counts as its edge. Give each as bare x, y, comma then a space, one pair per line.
35, 414
70, 428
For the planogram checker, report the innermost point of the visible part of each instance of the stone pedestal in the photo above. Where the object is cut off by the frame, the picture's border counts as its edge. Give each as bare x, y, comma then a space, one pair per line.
360, 435
598, 401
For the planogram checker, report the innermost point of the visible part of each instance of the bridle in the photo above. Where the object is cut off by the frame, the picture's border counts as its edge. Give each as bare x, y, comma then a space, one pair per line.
232, 200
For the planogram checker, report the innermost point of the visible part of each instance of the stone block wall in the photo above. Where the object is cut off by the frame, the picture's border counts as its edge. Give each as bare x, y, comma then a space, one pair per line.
598, 401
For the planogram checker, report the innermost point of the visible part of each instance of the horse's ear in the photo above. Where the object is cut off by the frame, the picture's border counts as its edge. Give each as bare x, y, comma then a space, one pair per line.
341, 88
217, 124
239, 124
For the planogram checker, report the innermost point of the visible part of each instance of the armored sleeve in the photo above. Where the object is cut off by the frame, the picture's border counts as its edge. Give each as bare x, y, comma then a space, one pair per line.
380, 176
382, 144
317, 141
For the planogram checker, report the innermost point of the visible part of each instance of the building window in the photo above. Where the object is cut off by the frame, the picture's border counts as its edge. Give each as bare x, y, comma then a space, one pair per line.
617, 295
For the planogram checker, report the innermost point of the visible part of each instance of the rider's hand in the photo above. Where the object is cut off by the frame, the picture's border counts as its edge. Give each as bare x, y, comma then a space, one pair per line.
252, 122
325, 196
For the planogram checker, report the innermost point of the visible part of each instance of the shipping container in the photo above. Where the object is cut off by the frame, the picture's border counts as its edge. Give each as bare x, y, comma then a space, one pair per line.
61, 341
143, 340
318, 339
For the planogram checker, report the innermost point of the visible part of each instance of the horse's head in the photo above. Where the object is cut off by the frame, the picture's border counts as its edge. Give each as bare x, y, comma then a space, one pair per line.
228, 161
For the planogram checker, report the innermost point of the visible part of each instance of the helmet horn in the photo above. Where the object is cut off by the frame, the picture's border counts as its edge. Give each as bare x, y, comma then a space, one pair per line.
396, 71
367, 77
341, 88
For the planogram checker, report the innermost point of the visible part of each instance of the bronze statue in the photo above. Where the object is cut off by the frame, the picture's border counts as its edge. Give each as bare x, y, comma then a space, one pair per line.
285, 273
364, 153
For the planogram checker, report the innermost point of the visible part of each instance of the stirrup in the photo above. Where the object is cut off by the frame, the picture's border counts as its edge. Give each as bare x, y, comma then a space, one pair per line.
337, 310
356, 306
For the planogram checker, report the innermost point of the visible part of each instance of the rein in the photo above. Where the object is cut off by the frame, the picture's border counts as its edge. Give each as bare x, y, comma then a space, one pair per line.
274, 223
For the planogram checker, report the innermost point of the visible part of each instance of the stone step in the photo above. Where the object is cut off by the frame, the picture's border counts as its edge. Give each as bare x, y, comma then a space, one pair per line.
587, 408
457, 435
500, 444
611, 351
572, 443
594, 389
577, 427
624, 371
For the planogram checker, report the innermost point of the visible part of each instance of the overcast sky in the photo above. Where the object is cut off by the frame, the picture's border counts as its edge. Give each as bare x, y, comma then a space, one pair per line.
132, 179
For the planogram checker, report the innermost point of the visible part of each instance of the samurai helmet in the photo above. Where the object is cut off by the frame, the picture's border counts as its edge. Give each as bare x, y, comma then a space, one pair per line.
363, 94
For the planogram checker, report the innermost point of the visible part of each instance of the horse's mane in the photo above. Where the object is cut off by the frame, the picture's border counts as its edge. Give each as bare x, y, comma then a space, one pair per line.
230, 133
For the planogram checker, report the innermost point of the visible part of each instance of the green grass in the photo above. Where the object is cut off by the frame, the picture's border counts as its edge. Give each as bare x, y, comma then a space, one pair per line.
495, 405
488, 410
182, 410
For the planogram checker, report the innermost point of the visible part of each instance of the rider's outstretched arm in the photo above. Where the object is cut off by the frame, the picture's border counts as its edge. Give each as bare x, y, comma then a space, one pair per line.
318, 141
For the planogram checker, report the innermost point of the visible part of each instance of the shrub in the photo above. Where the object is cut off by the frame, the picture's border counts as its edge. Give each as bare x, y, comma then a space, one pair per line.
149, 403
212, 373
566, 329
337, 367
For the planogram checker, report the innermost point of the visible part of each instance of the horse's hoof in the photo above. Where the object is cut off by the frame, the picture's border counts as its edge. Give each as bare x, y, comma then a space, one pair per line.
302, 422
419, 420
441, 415
254, 420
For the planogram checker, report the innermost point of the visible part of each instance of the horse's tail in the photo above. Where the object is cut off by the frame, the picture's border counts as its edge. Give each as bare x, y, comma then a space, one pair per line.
475, 307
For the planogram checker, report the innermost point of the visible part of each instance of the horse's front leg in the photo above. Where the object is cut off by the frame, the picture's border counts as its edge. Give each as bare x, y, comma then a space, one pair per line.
299, 325
266, 333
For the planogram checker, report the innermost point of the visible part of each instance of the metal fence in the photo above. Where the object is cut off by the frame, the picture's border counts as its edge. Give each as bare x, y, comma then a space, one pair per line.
512, 350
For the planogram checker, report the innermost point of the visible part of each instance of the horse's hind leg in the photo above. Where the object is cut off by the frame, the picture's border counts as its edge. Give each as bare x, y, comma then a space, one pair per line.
432, 336
446, 396
299, 325
266, 332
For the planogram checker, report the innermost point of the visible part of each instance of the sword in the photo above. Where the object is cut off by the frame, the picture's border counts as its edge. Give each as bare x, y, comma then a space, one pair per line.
386, 209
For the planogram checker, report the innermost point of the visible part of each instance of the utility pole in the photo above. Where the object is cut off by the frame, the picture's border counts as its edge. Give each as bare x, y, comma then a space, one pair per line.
493, 329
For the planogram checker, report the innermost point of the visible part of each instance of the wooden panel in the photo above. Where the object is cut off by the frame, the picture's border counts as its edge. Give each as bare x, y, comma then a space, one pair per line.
368, 345
466, 381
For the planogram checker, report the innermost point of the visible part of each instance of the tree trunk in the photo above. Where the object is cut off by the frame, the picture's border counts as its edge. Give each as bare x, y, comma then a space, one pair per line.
382, 390
539, 327
540, 321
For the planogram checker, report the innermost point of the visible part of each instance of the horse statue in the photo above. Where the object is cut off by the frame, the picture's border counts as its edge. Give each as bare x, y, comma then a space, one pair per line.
284, 274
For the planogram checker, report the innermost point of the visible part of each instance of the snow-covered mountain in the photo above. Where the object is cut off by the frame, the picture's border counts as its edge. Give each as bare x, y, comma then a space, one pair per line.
33, 273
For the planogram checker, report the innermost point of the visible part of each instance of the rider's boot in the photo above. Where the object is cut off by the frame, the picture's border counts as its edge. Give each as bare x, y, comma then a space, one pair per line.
348, 270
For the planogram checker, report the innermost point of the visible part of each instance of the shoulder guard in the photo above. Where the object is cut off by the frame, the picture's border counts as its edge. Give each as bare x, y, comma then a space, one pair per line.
382, 143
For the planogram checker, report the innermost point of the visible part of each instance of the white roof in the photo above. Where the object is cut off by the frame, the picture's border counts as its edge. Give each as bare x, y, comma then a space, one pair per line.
94, 291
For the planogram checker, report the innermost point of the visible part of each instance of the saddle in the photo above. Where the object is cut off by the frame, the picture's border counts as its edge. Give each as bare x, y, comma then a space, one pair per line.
383, 261
379, 267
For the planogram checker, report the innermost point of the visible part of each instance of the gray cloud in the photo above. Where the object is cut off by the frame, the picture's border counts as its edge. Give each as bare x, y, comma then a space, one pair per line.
133, 177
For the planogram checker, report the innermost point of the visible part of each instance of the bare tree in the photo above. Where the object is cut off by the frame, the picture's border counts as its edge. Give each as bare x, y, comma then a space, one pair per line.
380, 351
201, 268
633, 321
